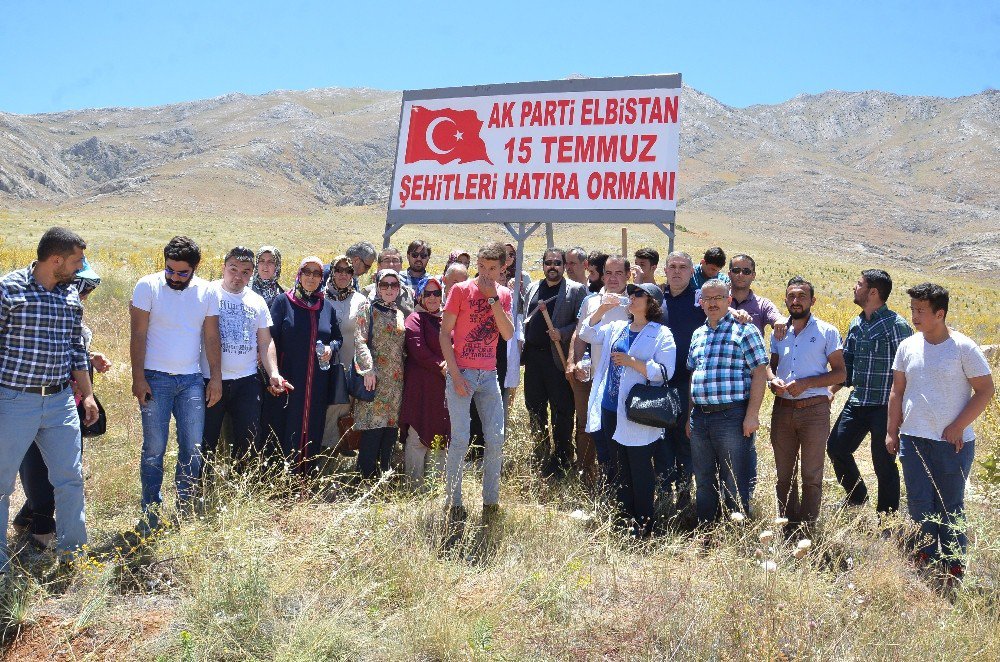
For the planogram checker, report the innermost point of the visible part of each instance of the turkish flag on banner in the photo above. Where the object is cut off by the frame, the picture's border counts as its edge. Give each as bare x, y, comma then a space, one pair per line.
444, 136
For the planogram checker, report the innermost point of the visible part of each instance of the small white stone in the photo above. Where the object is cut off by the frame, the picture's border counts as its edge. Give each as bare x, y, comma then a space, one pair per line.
737, 517
780, 521
769, 566
805, 544
766, 537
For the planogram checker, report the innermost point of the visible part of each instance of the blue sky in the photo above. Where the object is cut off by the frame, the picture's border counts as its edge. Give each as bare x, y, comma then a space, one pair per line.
66, 54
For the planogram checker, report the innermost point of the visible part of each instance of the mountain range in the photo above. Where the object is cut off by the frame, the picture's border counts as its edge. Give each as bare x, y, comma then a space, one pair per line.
900, 178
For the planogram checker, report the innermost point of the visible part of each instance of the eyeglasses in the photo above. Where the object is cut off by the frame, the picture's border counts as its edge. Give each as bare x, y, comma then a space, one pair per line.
388, 286
432, 293
180, 274
553, 263
391, 260
312, 272
422, 256
715, 299
366, 265
746, 271
343, 270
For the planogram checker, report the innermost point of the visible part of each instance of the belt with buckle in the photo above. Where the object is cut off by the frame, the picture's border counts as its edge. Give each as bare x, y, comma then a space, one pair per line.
711, 409
43, 390
801, 404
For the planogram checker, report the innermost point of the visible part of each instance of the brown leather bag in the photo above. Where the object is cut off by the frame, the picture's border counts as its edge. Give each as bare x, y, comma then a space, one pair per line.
350, 439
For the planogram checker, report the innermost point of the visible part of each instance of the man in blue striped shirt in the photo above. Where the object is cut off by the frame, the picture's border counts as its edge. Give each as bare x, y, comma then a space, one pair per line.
728, 366
869, 349
41, 350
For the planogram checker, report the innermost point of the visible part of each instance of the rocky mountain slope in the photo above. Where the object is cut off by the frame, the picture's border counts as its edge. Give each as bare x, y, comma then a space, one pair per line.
912, 179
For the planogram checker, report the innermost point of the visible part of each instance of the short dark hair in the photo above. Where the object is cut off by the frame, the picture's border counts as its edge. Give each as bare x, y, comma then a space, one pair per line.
182, 249
880, 280
743, 256
494, 251
241, 253
561, 252
416, 245
59, 242
648, 253
716, 256
933, 294
622, 258
800, 281
597, 258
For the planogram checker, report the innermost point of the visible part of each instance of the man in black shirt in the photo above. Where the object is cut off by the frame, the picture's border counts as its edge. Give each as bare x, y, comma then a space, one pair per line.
545, 384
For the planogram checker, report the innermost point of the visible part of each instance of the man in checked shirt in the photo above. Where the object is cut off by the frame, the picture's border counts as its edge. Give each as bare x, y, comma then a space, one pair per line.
41, 350
869, 349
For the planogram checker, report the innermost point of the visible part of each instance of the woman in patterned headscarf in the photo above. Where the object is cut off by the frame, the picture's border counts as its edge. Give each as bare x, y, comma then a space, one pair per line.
300, 318
379, 353
265, 278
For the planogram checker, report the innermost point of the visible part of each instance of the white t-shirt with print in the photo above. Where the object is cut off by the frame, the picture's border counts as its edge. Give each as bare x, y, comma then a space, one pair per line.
173, 340
937, 382
240, 317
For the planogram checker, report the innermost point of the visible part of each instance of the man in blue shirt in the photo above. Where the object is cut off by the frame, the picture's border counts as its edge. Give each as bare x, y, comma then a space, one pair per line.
728, 365
711, 266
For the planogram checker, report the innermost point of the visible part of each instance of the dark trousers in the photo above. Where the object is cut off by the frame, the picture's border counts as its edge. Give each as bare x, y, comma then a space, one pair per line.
636, 483
545, 388
39, 509
241, 400
672, 457
854, 422
375, 451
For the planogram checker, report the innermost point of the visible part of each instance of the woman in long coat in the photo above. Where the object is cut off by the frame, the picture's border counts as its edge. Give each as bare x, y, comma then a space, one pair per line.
295, 416
424, 420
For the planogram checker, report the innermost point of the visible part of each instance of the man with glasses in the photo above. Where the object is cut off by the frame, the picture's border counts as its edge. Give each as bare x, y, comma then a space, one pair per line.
390, 258
742, 273
244, 331
545, 385
171, 313
362, 256
418, 254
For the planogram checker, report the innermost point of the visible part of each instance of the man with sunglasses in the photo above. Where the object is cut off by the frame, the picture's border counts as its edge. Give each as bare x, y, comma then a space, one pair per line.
742, 273
172, 314
545, 384
362, 256
418, 254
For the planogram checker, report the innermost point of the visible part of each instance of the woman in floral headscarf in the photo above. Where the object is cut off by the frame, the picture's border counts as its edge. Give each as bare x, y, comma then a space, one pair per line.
265, 277
301, 317
379, 353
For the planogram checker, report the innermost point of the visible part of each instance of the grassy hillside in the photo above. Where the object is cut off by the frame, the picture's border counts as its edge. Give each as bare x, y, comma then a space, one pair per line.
277, 570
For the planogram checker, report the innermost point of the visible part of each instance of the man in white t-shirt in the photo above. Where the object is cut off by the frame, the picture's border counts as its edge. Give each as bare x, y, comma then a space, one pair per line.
591, 445
244, 330
941, 384
171, 314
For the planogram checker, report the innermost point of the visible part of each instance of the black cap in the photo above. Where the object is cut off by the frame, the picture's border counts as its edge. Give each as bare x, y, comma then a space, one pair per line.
652, 289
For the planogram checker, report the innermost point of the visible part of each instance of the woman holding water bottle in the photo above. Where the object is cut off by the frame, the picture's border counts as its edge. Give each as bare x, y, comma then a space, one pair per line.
379, 354
307, 338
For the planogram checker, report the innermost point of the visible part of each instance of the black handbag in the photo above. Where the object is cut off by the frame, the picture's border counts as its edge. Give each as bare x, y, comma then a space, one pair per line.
655, 405
338, 393
355, 382
98, 427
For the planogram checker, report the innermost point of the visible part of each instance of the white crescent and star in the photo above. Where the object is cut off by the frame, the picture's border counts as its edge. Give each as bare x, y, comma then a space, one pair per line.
430, 134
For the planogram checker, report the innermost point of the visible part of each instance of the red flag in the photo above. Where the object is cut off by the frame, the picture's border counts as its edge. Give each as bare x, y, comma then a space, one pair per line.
444, 136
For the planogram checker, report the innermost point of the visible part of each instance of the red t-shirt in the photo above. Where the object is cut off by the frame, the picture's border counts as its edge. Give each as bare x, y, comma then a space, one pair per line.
475, 336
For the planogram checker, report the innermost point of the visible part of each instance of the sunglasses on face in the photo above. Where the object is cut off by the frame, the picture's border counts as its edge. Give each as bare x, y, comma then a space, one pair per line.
432, 293
637, 294
312, 272
553, 263
746, 271
343, 270
422, 256
388, 286
179, 274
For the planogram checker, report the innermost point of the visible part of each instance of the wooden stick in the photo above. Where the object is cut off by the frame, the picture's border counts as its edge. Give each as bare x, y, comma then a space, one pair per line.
625, 243
548, 322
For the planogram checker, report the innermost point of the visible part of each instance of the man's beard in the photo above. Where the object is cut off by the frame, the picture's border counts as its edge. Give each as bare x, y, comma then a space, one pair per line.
799, 315
64, 277
178, 286
420, 271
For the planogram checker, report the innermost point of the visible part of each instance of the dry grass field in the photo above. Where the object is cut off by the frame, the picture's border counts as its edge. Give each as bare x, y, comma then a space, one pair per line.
278, 570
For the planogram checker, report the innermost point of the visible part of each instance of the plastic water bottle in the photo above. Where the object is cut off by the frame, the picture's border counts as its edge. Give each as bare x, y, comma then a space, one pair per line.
320, 351
586, 366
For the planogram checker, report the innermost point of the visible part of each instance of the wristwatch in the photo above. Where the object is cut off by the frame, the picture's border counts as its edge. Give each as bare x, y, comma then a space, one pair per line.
492, 300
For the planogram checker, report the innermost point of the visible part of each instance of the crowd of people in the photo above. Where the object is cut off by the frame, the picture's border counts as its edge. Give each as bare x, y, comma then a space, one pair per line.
433, 361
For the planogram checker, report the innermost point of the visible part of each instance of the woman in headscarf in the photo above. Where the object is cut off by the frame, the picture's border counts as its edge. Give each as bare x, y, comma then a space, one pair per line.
346, 302
265, 277
424, 420
301, 318
378, 354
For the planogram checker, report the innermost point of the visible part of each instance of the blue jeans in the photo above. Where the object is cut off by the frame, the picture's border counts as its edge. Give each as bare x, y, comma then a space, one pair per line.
935, 478
184, 397
723, 459
52, 423
489, 404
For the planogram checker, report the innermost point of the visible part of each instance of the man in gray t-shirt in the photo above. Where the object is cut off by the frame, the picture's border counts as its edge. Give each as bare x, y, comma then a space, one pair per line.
941, 384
